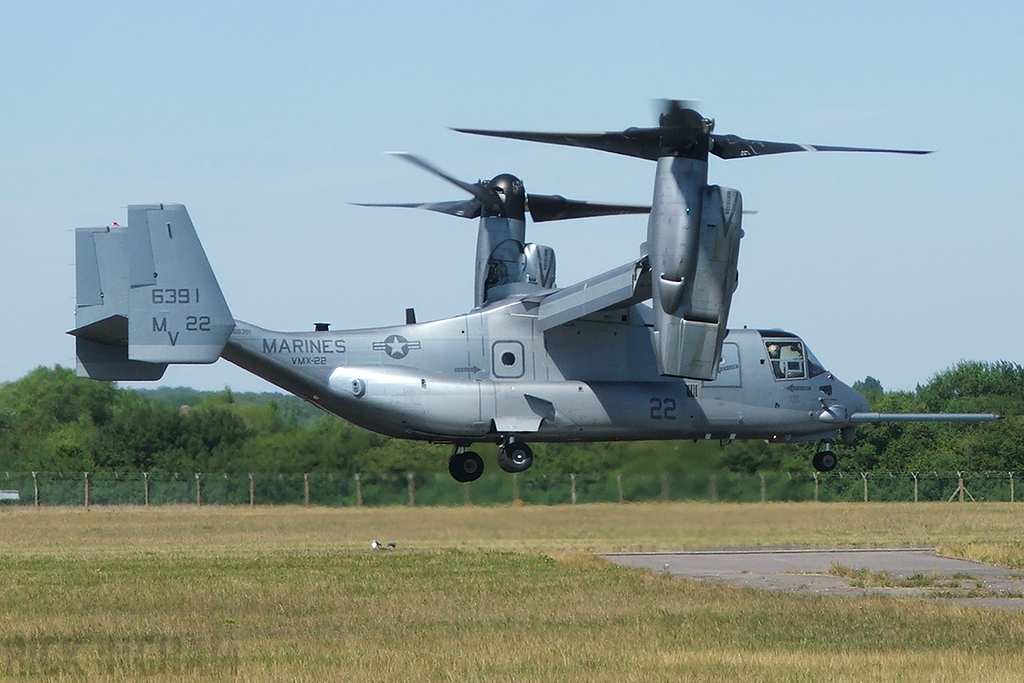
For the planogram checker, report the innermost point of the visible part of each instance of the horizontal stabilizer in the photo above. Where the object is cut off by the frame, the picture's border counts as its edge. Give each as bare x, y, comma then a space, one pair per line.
112, 331
100, 361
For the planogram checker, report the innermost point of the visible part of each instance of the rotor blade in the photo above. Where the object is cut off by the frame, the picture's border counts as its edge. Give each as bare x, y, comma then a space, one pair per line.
735, 147
643, 143
484, 195
466, 208
553, 207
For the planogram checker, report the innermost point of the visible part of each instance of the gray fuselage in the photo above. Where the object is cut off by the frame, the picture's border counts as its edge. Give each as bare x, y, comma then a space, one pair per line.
493, 373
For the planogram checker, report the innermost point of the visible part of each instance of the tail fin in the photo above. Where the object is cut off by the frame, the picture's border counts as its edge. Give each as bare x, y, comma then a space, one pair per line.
146, 297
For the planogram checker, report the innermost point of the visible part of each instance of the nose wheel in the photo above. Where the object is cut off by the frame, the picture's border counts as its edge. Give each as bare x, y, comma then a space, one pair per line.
465, 465
514, 456
825, 460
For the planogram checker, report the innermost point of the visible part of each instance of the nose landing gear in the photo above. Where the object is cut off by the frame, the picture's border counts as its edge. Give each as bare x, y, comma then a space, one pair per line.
825, 460
514, 455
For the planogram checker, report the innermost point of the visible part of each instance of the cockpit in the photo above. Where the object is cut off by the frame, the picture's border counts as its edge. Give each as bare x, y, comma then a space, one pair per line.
789, 357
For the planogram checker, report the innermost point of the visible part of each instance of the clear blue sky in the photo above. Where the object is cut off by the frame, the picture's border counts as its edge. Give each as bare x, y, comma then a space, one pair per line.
266, 120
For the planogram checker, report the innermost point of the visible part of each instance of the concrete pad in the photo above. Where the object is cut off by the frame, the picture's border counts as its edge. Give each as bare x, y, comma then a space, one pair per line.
806, 570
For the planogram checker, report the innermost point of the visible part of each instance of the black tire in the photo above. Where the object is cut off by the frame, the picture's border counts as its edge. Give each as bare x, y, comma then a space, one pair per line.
515, 457
467, 466
503, 461
828, 461
521, 456
825, 461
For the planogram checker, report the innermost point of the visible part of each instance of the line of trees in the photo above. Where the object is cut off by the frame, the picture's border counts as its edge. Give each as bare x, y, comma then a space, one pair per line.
53, 421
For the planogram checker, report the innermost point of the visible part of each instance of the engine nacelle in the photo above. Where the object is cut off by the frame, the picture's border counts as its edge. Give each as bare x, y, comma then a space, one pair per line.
694, 234
506, 264
540, 265
500, 260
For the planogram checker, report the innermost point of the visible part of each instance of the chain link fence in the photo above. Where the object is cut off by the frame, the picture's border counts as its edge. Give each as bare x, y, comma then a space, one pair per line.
498, 488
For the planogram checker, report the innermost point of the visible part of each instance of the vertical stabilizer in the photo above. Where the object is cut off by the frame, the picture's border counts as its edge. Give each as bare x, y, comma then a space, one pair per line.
146, 297
177, 313
101, 310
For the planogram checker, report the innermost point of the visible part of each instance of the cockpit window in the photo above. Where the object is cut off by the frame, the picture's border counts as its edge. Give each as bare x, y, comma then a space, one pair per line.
790, 359
814, 367
787, 358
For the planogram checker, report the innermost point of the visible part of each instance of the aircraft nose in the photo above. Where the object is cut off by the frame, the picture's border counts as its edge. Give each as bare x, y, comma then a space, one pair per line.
847, 401
857, 402
854, 401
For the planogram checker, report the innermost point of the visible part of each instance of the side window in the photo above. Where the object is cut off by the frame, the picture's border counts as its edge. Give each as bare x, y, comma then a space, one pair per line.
787, 358
507, 359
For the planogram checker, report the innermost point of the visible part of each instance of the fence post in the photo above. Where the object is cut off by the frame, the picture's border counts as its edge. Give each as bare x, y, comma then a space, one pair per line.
305, 487
359, 490
145, 487
86, 490
664, 487
816, 473
713, 487
618, 480
515, 487
35, 485
572, 478
1011, 487
199, 490
252, 491
410, 480
960, 489
764, 491
864, 476
914, 475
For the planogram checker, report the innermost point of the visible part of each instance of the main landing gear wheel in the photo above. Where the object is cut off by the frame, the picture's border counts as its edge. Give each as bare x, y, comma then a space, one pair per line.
514, 456
825, 460
465, 466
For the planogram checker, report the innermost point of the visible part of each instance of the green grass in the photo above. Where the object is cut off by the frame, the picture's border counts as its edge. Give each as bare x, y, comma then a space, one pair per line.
866, 578
471, 594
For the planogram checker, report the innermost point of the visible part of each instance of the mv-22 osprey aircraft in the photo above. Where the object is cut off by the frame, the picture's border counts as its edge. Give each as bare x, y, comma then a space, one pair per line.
531, 361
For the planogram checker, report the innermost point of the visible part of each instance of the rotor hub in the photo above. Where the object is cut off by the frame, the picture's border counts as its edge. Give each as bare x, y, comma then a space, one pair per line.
512, 194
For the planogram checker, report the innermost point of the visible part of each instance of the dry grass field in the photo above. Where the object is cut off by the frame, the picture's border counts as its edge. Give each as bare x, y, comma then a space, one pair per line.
478, 594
